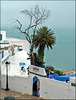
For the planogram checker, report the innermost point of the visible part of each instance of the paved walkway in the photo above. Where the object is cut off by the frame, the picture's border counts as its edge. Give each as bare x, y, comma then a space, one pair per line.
18, 95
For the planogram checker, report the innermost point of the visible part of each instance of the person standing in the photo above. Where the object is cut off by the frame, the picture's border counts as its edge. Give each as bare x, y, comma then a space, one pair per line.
38, 88
35, 89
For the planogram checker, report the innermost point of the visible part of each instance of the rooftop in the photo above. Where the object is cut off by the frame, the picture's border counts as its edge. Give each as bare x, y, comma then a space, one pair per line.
14, 39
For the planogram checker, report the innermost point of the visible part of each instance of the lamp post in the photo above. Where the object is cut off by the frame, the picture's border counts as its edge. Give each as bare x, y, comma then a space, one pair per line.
7, 63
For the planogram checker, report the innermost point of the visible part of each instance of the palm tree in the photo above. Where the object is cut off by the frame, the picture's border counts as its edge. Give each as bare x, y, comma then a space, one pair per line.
44, 38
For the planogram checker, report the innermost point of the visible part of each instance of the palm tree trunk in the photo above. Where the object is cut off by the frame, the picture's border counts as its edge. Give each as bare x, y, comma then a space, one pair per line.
41, 52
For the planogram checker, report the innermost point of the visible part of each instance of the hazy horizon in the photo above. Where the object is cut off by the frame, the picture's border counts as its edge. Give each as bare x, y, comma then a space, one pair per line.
61, 21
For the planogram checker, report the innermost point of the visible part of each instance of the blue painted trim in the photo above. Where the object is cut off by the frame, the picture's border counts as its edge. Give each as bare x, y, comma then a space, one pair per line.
2, 54
0, 37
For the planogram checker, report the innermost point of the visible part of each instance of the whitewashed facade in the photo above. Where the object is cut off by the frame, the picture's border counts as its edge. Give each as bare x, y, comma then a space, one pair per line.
15, 51
49, 88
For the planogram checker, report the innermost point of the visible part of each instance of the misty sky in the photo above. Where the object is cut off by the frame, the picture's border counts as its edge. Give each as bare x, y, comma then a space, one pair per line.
61, 21
62, 12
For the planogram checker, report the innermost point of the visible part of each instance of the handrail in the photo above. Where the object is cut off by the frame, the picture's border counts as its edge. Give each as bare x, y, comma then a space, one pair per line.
4, 58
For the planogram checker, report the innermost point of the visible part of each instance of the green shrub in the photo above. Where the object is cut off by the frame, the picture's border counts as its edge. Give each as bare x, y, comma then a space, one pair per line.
60, 73
38, 61
50, 68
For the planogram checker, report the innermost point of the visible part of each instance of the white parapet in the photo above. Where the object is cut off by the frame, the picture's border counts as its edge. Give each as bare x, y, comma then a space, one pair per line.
73, 80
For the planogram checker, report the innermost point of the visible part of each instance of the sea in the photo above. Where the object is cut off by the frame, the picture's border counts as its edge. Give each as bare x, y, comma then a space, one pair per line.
62, 56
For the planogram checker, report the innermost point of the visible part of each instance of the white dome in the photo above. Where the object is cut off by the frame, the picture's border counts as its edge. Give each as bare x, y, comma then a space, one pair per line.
21, 56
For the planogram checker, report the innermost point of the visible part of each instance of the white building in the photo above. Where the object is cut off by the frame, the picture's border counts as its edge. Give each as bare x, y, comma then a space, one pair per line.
15, 51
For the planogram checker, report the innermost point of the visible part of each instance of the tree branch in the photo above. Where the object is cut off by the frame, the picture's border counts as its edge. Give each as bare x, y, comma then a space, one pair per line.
37, 17
29, 40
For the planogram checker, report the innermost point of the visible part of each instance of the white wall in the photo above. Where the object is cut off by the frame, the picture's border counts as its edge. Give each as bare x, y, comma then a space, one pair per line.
0, 64
25, 44
5, 53
54, 89
3, 35
49, 88
21, 84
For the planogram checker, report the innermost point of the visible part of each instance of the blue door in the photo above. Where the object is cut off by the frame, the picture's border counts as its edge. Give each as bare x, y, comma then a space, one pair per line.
0, 37
35, 86
35, 79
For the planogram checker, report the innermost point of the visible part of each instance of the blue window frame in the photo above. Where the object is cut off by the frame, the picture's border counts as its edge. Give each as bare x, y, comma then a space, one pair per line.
2, 54
20, 49
73, 84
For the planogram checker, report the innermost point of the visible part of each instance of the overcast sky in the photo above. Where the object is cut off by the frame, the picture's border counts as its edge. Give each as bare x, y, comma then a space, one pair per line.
62, 12
61, 21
